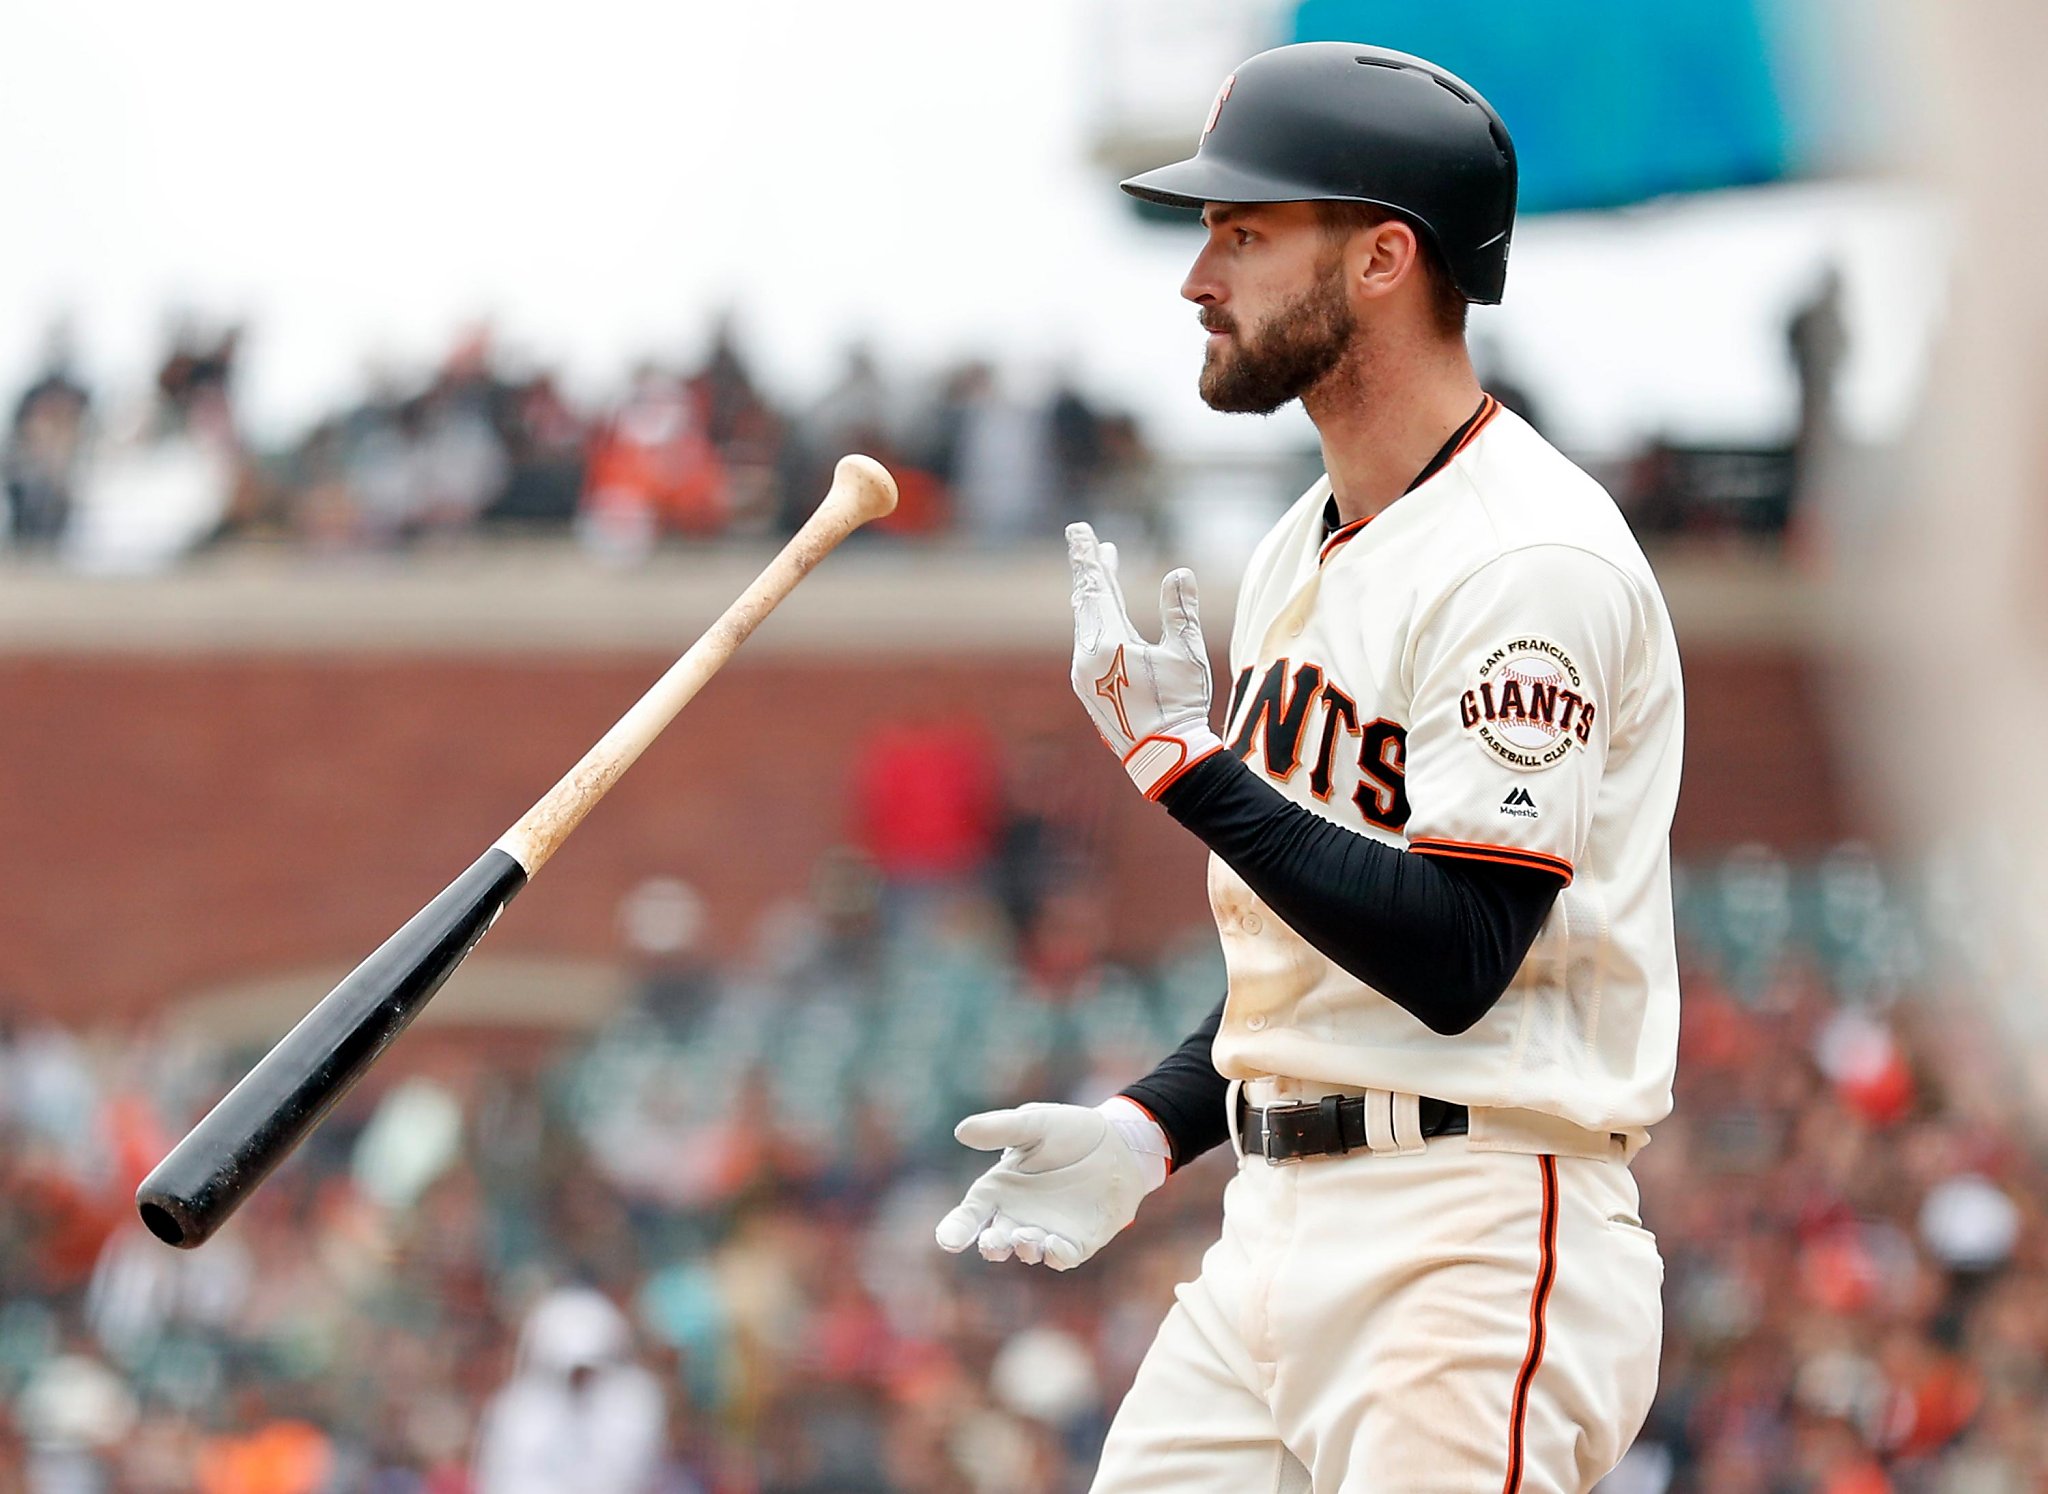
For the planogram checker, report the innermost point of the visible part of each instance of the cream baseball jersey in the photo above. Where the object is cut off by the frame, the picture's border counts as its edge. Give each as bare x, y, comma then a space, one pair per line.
1484, 669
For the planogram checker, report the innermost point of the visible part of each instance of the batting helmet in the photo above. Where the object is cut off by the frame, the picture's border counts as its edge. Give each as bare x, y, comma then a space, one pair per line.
1339, 122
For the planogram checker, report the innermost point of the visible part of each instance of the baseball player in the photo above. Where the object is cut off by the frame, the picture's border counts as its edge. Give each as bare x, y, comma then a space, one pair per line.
1439, 811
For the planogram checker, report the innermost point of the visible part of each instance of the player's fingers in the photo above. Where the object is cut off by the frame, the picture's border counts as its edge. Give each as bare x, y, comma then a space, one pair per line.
958, 1229
1093, 597
1029, 1243
993, 1130
1180, 610
1110, 561
996, 1240
1084, 557
1098, 602
1061, 1253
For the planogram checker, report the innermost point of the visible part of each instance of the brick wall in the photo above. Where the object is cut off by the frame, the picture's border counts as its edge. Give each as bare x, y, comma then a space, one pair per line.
169, 823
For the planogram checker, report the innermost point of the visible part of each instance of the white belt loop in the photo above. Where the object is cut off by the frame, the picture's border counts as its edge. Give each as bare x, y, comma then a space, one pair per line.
1393, 1122
1379, 1120
1230, 1099
1407, 1123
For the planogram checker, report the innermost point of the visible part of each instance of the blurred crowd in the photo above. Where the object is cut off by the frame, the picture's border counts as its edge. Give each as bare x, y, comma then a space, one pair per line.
687, 450
691, 1251
680, 454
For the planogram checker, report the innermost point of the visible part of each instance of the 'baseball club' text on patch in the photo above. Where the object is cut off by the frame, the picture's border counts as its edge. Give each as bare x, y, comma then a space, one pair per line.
1527, 704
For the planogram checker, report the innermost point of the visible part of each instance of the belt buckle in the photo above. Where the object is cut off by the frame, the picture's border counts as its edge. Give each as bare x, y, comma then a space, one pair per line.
1266, 1119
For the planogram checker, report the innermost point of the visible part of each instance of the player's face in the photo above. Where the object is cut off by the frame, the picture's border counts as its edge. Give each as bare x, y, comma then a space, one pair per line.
1271, 290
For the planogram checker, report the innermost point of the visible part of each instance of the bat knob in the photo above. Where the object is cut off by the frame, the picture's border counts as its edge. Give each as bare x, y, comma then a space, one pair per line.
863, 487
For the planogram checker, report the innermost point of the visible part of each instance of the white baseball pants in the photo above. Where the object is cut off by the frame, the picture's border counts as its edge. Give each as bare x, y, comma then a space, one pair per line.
1452, 1320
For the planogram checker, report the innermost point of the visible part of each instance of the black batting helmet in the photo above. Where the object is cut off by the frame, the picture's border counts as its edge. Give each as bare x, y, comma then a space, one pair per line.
1340, 122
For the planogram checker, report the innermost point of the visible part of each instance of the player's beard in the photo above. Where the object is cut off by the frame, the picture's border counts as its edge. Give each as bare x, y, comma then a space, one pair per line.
1297, 348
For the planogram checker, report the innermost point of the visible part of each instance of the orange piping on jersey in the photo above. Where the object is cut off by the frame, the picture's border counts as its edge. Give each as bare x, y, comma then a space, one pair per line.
1539, 1301
1488, 408
1505, 855
1491, 409
1340, 537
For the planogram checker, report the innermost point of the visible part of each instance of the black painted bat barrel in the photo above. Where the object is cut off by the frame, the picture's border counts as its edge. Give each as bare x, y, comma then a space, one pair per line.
241, 1141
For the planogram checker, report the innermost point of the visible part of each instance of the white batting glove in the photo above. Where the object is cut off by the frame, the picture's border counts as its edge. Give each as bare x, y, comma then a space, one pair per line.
1069, 1179
1150, 701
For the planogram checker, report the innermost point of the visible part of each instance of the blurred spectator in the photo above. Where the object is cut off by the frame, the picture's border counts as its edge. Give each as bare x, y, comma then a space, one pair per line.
544, 443
855, 411
923, 506
653, 470
155, 489
858, 414
171, 476
197, 368
661, 923
925, 796
429, 463
45, 446
275, 1455
1129, 491
578, 1413
1817, 338
1500, 379
993, 453
1048, 825
74, 1410
1077, 443
744, 429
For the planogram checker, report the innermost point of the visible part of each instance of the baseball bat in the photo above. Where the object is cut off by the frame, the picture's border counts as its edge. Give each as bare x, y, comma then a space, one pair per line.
191, 1193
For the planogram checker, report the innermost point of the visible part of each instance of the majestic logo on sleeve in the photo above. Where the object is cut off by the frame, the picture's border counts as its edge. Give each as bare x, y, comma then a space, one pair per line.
1528, 705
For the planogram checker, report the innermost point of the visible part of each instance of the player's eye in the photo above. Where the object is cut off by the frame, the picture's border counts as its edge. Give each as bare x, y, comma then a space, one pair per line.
1244, 236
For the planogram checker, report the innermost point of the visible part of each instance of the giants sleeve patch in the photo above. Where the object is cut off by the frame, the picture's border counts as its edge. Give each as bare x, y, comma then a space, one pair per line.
1527, 705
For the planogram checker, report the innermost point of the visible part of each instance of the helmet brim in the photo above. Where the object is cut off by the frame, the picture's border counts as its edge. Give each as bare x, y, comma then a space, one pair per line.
1200, 180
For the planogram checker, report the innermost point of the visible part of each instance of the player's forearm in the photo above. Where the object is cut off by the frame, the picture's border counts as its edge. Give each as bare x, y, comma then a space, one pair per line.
1186, 1095
1442, 939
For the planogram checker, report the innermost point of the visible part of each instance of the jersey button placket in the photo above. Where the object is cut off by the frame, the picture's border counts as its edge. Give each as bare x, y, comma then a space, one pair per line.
1251, 923
1256, 1024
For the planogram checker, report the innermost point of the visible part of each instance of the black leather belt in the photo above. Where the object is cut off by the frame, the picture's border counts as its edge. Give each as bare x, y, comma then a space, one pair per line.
1330, 1126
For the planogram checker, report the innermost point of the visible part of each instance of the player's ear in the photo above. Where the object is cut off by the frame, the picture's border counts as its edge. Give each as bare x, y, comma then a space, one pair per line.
1383, 257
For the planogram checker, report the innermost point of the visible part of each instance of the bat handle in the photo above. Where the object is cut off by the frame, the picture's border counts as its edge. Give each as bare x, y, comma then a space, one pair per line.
861, 490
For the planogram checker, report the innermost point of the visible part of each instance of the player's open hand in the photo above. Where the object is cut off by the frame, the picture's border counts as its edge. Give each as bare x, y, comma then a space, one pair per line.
1150, 701
1067, 1182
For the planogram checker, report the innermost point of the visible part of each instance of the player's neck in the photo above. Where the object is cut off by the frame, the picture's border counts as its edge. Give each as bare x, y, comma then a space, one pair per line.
1382, 419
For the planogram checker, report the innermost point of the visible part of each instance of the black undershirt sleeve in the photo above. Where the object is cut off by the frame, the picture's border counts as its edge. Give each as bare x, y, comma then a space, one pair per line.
1440, 937
1185, 1094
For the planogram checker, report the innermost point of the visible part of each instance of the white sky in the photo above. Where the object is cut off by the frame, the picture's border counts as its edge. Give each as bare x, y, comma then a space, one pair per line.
358, 182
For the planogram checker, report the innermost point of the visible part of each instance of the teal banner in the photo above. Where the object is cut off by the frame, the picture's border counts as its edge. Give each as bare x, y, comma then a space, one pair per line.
1610, 101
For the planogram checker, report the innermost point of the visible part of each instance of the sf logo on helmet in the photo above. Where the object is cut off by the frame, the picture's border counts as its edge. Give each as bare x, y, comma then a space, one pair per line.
1216, 109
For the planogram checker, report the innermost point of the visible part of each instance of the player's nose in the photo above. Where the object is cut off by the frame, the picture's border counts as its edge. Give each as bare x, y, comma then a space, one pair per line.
1203, 286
